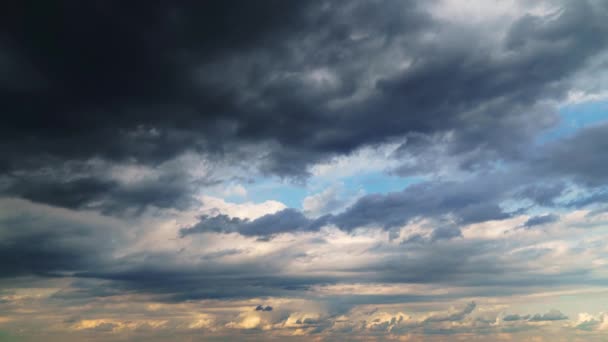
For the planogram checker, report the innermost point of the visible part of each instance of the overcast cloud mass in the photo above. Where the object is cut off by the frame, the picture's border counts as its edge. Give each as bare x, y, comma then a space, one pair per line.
304, 170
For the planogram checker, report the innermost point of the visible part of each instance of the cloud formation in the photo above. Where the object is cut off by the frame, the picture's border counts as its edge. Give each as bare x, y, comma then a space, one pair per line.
421, 170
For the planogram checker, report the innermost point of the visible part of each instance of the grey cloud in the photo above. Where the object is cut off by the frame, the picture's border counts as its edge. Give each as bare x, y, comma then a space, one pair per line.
542, 194
451, 263
467, 202
463, 262
164, 275
219, 281
120, 117
223, 76
220, 223
451, 204
222, 253
594, 196
287, 220
85, 253
69, 194
541, 220
528, 40
38, 240
263, 308
108, 196
108, 188
515, 317
446, 232
580, 156
552, 315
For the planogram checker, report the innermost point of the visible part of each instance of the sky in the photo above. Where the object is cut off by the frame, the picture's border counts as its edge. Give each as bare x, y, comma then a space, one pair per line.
273, 170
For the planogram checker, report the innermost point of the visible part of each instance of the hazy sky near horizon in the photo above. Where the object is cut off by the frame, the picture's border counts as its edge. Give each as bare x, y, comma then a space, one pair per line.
304, 170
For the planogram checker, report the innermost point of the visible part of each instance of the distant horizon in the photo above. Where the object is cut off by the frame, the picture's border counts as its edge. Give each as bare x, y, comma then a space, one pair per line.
391, 170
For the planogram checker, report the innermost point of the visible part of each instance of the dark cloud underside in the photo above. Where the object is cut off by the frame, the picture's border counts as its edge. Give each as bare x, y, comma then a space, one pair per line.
311, 80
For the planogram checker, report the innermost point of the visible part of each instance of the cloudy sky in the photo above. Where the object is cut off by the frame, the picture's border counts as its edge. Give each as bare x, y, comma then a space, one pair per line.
304, 170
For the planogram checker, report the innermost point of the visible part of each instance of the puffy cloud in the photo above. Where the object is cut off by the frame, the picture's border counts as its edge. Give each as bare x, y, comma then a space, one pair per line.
589, 322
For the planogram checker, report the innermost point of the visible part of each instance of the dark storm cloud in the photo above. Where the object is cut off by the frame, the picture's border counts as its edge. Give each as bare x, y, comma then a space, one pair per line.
163, 275
91, 187
307, 80
146, 81
540, 220
70, 194
36, 240
451, 263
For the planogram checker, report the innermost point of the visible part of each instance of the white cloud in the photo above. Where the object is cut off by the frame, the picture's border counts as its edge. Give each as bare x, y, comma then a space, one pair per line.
329, 201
